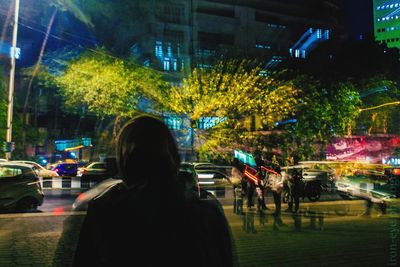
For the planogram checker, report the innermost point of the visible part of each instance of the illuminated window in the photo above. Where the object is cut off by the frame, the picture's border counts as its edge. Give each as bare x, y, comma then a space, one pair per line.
159, 49
174, 65
174, 123
262, 46
167, 64
169, 50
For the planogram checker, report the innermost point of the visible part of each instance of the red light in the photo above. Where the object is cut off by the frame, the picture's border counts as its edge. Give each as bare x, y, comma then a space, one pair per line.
396, 171
251, 176
58, 211
81, 196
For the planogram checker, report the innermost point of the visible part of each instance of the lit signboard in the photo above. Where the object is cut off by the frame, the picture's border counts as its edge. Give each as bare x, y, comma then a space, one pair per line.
246, 158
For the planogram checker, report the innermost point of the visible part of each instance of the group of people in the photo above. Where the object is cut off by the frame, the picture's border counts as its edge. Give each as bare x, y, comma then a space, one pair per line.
270, 177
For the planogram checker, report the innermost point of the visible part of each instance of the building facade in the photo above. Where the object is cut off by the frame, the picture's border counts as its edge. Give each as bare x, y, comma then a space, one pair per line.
177, 34
387, 22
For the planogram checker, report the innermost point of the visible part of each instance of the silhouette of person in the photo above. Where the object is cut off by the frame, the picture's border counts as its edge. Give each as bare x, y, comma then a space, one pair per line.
262, 185
294, 185
237, 181
148, 220
276, 183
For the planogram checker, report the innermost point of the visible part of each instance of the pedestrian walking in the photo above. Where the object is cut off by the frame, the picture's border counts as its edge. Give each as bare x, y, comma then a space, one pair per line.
294, 186
237, 181
150, 215
262, 184
276, 185
251, 188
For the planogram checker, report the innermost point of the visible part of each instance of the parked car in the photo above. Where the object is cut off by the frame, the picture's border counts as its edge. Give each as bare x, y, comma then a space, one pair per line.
66, 169
212, 178
40, 170
379, 188
19, 187
95, 171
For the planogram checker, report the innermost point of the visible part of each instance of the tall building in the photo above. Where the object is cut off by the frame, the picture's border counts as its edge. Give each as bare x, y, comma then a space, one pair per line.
175, 34
387, 22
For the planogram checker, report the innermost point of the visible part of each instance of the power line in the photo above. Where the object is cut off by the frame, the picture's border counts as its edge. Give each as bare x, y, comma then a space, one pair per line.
88, 49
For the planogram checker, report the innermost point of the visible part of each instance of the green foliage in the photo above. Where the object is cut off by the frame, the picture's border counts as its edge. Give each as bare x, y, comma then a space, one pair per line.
107, 85
378, 90
233, 90
324, 112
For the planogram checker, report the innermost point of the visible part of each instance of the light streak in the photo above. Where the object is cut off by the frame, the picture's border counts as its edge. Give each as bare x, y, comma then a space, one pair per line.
379, 106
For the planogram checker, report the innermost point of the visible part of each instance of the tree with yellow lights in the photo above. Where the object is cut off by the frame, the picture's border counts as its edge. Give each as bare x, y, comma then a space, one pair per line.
232, 90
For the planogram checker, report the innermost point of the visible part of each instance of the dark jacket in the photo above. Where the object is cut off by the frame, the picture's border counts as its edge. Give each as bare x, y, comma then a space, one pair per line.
150, 226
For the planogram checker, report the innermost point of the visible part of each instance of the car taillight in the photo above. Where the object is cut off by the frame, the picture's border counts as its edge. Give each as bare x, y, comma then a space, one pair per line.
396, 171
84, 171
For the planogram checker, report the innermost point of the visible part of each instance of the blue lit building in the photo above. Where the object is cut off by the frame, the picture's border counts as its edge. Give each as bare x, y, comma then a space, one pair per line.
180, 34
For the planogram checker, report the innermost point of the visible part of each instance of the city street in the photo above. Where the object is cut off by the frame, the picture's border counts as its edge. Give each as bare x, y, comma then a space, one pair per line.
212, 100
328, 232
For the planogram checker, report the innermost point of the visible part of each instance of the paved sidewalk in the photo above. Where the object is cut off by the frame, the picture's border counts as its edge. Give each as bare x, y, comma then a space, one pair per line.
312, 238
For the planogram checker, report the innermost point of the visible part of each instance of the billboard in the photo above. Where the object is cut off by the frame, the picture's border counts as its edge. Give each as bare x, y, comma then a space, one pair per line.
372, 148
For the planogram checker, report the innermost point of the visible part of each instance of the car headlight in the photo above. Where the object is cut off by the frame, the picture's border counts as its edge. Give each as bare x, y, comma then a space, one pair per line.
381, 195
343, 185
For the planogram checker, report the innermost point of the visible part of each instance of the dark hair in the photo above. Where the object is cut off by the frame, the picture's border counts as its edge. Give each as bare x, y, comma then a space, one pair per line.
146, 151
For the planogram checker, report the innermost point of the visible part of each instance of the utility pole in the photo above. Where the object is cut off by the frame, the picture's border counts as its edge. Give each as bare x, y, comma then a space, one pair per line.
12, 77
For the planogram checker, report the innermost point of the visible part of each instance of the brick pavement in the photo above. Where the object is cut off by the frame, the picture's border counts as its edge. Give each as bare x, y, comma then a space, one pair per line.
321, 239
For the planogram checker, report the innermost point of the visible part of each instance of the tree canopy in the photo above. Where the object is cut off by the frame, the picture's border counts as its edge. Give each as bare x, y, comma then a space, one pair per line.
233, 90
107, 85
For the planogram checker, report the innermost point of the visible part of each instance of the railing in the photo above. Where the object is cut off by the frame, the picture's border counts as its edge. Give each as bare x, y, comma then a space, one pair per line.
66, 183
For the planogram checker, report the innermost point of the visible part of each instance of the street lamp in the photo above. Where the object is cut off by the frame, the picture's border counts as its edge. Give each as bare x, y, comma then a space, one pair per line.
12, 77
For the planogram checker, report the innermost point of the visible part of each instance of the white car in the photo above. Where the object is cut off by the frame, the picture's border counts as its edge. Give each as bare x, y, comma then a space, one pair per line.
40, 170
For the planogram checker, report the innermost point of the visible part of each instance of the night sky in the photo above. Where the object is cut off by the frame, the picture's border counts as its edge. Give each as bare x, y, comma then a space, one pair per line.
358, 17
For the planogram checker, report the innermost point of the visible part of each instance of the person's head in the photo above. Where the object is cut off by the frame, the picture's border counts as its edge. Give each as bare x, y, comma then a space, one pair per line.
146, 151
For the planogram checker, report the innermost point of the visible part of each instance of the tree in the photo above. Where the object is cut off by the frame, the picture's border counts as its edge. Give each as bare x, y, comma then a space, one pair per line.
360, 74
108, 86
324, 111
232, 90
375, 118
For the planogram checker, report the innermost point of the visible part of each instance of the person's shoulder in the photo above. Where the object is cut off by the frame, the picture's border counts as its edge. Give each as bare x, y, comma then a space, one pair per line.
206, 208
109, 195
